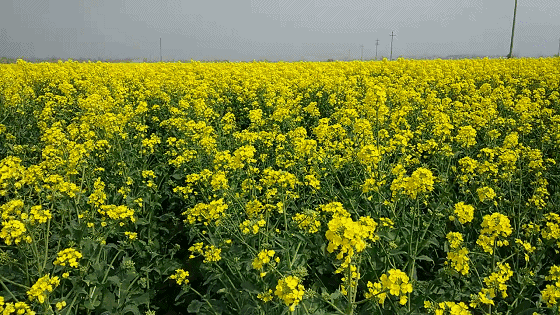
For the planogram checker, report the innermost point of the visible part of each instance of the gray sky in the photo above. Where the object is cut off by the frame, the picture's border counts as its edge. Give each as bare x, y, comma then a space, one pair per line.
275, 29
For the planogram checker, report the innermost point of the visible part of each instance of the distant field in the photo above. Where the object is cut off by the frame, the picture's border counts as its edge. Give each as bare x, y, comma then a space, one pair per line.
386, 187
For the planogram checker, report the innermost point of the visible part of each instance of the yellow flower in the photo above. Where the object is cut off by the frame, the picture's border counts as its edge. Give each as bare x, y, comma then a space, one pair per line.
464, 212
421, 181
485, 193
265, 296
42, 287
290, 291
466, 136
68, 256
211, 253
262, 259
396, 282
495, 227
60, 305
180, 276
14, 231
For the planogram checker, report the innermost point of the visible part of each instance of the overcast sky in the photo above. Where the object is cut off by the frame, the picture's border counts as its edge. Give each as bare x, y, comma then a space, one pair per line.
275, 29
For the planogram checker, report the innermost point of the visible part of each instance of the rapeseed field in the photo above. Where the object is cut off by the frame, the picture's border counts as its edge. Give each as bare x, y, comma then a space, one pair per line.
383, 187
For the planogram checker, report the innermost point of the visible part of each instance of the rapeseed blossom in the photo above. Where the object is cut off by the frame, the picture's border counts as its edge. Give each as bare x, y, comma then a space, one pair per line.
464, 212
395, 282
307, 221
263, 258
551, 230
210, 253
551, 295
485, 193
206, 213
180, 276
495, 229
290, 291
421, 181
494, 283
19, 308
68, 256
14, 231
42, 288
447, 307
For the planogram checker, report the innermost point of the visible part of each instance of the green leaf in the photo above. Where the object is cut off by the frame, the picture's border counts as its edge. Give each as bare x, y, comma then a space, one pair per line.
131, 308
114, 280
249, 287
425, 258
142, 299
108, 301
194, 307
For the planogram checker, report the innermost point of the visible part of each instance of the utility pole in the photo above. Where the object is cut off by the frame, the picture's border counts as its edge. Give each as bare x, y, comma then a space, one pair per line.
376, 44
362, 58
160, 49
348, 54
512, 29
391, 58
558, 48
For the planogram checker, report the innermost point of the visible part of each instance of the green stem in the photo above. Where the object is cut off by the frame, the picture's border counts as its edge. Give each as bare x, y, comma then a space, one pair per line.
334, 306
6, 288
205, 300
47, 242
108, 268
71, 304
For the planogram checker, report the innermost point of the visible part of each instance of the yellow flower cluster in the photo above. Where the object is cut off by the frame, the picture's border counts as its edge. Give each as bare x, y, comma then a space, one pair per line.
180, 276
395, 282
11, 209
527, 247
60, 305
131, 235
307, 221
290, 291
464, 212
458, 256
421, 181
98, 196
447, 307
37, 213
265, 296
14, 231
68, 256
485, 193
349, 237
211, 253
551, 230
17, 308
42, 288
263, 258
119, 213
253, 225
466, 136
495, 283
551, 295
495, 228
206, 213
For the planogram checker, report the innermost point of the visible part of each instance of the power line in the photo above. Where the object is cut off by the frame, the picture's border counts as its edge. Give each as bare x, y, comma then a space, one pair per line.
391, 58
